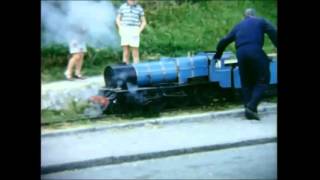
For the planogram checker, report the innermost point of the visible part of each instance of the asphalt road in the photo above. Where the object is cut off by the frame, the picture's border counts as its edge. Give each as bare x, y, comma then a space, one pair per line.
250, 162
152, 138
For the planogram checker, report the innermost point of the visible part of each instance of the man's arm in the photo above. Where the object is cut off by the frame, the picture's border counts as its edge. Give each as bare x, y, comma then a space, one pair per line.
223, 43
272, 33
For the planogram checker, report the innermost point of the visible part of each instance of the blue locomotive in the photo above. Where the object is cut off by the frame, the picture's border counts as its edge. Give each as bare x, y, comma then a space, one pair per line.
184, 79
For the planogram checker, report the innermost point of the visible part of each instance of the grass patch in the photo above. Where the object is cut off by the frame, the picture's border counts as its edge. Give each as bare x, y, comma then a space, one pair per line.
69, 118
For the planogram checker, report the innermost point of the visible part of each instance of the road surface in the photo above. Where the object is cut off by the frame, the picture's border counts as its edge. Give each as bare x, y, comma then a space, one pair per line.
250, 162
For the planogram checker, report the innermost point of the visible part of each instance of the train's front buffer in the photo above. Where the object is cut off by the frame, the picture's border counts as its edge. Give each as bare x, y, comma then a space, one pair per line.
116, 77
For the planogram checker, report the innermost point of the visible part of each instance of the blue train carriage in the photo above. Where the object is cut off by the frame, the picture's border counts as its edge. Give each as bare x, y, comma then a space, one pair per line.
228, 76
196, 77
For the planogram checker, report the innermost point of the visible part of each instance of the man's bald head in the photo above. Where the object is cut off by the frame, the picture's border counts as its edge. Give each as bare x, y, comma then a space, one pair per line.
249, 12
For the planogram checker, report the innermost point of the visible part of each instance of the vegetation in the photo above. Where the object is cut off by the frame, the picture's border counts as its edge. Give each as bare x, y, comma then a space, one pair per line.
174, 29
74, 116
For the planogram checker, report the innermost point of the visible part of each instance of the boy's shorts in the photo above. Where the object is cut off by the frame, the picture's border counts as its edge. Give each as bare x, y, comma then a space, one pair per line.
77, 47
130, 36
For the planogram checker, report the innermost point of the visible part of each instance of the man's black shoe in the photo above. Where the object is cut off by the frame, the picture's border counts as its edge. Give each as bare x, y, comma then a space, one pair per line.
251, 114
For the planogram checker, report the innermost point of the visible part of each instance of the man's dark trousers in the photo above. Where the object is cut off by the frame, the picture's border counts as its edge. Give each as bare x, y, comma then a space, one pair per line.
254, 74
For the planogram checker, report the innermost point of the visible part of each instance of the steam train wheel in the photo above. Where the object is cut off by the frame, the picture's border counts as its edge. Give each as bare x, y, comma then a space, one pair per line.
199, 95
156, 106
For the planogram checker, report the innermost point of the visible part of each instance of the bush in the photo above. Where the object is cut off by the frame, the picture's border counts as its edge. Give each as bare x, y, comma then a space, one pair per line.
174, 29
58, 55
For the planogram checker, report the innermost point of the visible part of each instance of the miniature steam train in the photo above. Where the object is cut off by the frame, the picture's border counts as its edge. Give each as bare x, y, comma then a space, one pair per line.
185, 79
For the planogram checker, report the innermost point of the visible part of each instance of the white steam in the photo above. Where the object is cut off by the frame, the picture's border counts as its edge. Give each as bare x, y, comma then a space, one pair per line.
59, 19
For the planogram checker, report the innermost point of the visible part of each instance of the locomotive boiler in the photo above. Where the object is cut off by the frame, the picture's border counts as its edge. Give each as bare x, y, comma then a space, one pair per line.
182, 79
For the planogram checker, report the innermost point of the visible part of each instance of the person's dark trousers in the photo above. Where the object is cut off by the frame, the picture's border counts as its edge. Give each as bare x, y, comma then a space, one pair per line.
254, 74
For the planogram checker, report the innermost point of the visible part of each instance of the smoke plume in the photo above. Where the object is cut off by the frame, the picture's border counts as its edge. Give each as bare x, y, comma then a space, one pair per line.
59, 19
